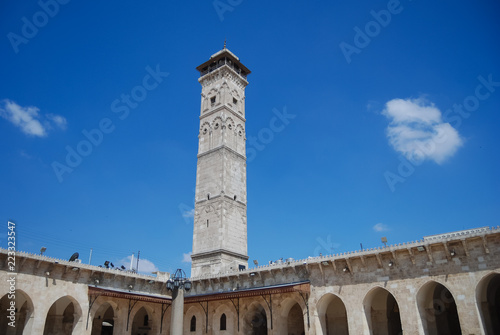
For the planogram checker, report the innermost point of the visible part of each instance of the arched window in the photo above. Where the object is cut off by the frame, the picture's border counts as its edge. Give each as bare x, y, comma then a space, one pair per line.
223, 322
193, 324
146, 320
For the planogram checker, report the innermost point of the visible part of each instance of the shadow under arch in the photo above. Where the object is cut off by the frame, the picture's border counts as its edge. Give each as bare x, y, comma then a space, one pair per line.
292, 314
488, 302
382, 312
62, 317
142, 320
22, 313
332, 315
438, 310
103, 321
255, 320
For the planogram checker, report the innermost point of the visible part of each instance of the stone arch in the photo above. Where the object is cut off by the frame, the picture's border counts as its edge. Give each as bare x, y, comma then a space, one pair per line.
230, 133
142, 320
213, 93
205, 137
488, 302
292, 312
103, 321
217, 123
332, 315
382, 312
229, 123
240, 138
255, 319
231, 319
240, 131
62, 317
199, 314
217, 126
224, 92
22, 313
438, 310
236, 96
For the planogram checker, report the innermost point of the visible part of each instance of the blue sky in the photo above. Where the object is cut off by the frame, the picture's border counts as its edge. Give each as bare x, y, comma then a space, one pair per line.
395, 128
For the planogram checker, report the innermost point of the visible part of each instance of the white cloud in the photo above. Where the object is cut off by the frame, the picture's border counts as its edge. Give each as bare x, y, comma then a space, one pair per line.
189, 213
380, 227
417, 131
23, 154
58, 120
28, 118
145, 265
186, 258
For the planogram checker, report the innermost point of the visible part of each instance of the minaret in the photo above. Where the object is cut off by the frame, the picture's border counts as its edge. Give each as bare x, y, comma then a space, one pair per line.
220, 221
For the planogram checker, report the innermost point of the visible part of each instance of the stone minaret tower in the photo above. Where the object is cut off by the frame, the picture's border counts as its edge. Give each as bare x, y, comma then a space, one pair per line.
220, 221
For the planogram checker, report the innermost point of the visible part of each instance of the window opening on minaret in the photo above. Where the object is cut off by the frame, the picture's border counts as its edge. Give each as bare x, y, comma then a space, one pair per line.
208, 196
207, 222
212, 100
235, 101
235, 198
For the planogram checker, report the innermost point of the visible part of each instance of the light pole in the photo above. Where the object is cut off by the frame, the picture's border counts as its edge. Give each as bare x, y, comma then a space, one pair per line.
177, 284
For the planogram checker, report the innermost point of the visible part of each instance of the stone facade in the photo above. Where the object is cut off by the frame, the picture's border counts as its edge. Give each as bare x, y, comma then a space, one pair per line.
447, 284
442, 284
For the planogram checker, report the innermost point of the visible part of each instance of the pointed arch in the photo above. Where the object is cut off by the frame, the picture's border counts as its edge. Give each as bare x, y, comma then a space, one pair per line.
255, 319
488, 302
103, 321
295, 320
142, 321
438, 310
205, 136
23, 312
382, 312
230, 133
217, 132
332, 315
240, 139
62, 316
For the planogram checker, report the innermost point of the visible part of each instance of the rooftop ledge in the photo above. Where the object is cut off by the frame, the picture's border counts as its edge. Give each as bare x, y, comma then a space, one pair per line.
426, 241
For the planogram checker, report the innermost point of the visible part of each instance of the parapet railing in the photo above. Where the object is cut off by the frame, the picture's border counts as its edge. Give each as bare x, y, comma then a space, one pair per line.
427, 240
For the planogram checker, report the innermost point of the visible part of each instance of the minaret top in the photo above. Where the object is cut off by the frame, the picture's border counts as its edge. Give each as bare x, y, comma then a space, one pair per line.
221, 58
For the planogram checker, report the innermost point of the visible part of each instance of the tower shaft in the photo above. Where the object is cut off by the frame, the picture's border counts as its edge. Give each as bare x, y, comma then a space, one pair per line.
220, 222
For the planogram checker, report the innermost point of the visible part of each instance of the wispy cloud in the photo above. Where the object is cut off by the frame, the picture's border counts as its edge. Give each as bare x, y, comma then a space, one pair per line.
28, 118
188, 213
186, 258
417, 131
23, 154
380, 227
58, 120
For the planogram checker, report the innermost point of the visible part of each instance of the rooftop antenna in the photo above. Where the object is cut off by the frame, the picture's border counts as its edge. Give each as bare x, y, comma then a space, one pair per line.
384, 240
90, 257
224, 43
137, 268
42, 250
132, 262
